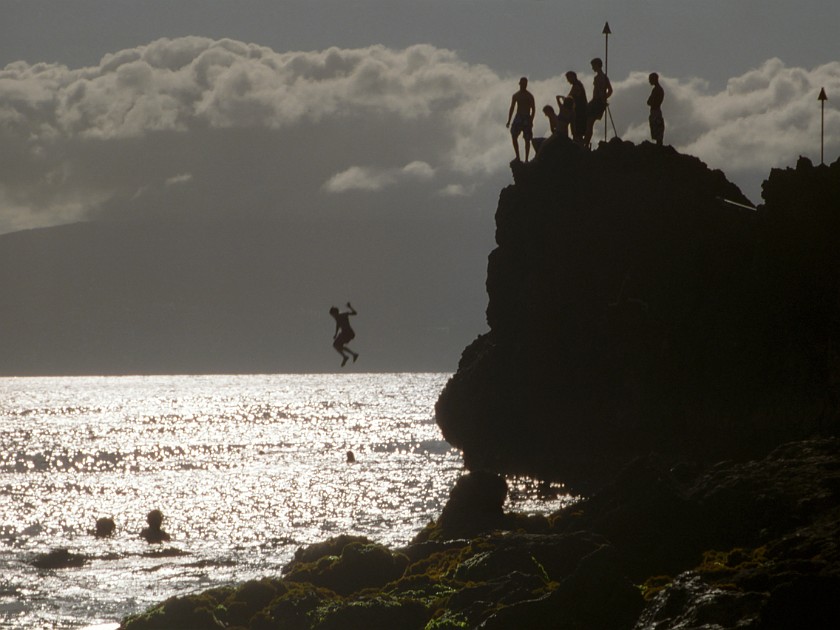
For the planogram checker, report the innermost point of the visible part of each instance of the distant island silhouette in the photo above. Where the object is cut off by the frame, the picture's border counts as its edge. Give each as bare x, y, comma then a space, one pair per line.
241, 294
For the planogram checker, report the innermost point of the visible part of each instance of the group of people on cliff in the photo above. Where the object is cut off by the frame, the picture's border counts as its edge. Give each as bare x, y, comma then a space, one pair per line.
575, 115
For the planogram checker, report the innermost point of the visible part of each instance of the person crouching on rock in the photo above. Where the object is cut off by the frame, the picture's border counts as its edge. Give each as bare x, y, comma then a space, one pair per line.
153, 533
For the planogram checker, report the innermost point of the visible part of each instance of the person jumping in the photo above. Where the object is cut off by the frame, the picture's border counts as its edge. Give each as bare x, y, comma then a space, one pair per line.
343, 333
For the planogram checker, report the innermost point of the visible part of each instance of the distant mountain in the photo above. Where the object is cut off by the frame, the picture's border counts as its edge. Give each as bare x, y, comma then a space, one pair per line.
637, 305
234, 295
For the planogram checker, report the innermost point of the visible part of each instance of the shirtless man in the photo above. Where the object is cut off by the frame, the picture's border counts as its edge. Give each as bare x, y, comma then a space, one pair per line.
343, 333
657, 122
578, 95
601, 92
523, 102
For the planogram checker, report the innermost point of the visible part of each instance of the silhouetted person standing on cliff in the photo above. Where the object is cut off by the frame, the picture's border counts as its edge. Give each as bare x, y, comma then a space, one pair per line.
343, 333
657, 122
601, 92
578, 95
153, 533
523, 123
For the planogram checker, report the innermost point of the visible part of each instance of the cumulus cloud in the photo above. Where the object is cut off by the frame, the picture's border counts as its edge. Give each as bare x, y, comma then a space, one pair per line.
80, 140
455, 190
247, 127
373, 179
178, 179
359, 178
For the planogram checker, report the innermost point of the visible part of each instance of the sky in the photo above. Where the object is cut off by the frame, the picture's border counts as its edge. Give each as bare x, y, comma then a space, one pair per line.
108, 103
281, 108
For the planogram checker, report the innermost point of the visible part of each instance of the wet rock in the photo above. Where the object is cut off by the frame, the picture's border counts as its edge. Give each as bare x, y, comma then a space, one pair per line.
378, 613
360, 565
475, 504
193, 611
296, 609
59, 559
329, 547
251, 598
689, 602
497, 563
597, 596
806, 601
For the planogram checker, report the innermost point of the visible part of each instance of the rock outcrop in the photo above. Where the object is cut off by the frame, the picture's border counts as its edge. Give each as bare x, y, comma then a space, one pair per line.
633, 309
637, 303
750, 545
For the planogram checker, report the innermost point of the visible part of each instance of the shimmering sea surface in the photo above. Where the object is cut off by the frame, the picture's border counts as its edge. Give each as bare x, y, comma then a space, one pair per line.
245, 469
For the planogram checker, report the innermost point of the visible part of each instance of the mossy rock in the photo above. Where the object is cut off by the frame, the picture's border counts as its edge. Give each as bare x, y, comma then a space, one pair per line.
295, 609
477, 600
498, 563
379, 613
361, 565
330, 547
193, 611
422, 588
438, 565
448, 621
248, 599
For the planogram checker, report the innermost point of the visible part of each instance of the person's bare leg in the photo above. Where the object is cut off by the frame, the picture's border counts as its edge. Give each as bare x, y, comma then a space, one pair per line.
590, 125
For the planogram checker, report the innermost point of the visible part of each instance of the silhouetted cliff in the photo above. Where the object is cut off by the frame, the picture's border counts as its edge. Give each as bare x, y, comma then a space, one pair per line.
634, 306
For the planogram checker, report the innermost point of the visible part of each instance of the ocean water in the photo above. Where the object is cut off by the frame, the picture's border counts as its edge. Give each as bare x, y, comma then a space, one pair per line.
245, 469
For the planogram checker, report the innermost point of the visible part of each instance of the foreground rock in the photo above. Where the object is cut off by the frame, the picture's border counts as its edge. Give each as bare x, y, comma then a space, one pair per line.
749, 545
635, 306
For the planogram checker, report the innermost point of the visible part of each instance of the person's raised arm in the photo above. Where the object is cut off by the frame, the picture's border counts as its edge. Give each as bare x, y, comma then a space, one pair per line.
352, 310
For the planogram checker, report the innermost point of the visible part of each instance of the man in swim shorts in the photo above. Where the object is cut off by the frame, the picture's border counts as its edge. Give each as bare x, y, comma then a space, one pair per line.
601, 92
578, 95
523, 123
655, 119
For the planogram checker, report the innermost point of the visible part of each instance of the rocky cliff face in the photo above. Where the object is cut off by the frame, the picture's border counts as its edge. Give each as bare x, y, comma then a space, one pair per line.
635, 305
